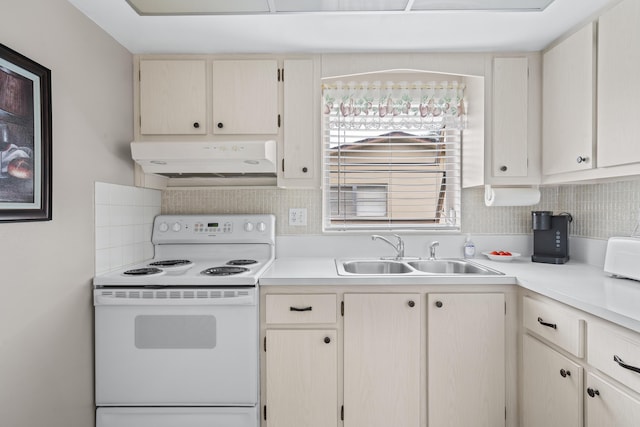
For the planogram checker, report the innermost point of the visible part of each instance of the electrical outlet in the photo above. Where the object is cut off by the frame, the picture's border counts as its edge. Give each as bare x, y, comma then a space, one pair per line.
298, 216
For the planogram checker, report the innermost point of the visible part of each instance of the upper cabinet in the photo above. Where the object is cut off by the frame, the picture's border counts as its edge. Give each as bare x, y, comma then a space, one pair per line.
618, 85
301, 123
501, 144
590, 89
173, 97
568, 106
510, 117
232, 98
245, 97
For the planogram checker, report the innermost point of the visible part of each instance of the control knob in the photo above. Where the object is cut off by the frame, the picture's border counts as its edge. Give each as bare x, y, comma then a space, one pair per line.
163, 227
261, 226
176, 226
248, 226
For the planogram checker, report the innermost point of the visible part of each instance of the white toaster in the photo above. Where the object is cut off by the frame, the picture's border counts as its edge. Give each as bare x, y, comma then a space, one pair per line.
623, 257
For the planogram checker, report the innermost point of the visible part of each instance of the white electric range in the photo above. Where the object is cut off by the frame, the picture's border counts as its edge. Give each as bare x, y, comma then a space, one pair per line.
177, 336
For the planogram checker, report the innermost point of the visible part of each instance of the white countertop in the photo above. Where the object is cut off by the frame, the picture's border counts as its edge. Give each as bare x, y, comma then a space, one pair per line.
576, 284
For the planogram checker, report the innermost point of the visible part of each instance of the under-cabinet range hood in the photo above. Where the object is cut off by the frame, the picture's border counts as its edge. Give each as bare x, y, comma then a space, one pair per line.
188, 159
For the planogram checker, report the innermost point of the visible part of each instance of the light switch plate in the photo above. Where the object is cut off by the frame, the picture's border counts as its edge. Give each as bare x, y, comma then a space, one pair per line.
298, 216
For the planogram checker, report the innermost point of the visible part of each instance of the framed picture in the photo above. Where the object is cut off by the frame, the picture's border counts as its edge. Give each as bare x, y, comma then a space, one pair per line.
25, 138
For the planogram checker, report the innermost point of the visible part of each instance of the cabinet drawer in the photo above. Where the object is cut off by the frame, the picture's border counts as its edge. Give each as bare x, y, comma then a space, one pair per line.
560, 326
607, 344
302, 308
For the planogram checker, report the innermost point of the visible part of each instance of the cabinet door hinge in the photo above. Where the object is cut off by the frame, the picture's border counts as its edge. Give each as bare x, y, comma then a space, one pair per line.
278, 120
342, 413
264, 412
264, 345
342, 308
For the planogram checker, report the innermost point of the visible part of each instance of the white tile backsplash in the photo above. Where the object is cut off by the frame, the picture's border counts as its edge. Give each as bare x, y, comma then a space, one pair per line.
123, 222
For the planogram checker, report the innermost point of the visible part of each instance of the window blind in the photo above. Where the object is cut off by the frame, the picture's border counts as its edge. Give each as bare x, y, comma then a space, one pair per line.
400, 170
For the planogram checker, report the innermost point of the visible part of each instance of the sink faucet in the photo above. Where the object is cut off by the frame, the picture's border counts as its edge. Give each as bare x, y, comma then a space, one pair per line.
432, 249
399, 247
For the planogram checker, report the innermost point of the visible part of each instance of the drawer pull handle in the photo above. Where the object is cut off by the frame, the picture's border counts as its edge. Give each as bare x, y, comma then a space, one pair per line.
300, 308
564, 373
549, 325
625, 366
593, 392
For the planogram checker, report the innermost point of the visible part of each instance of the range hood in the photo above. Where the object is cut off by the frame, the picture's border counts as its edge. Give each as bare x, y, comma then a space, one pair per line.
188, 159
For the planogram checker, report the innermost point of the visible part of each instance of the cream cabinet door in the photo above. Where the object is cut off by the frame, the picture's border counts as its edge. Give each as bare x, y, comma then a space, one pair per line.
552, 387
510, 117
608, 406
466, 360
618, 85
382, 360
301, 378
245, 97
568, 104
299, 148
173, 97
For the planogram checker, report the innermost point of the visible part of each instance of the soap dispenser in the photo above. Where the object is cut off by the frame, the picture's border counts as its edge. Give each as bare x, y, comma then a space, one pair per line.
469, 248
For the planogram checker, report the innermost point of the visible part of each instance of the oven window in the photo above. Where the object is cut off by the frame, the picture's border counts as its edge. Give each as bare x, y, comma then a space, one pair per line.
175, 332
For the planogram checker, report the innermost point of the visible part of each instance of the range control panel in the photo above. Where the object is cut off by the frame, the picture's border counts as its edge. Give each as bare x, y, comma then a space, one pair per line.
234, 228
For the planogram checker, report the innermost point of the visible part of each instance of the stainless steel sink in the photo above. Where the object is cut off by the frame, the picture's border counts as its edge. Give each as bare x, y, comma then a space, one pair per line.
376, 267
450, 266
413, 267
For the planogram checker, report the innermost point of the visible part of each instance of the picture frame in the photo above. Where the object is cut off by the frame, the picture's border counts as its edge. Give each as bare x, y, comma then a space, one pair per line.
25, 138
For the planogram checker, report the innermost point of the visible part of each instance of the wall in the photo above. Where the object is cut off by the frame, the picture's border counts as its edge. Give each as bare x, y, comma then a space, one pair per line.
599, 210
46, 315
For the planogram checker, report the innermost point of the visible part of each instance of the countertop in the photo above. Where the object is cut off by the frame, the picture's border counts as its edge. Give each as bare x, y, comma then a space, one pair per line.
576, 284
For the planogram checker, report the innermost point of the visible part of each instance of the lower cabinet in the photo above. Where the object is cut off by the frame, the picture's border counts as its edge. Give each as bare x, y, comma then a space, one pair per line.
374, 356
466, 360
609, 406
560, 388
552, 387
301, 385
382, 360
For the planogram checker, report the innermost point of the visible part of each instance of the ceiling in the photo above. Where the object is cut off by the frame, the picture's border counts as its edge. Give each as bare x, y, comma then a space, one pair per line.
339, 32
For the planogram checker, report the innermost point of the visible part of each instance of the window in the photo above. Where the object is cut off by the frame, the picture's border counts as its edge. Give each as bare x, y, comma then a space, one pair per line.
391, 156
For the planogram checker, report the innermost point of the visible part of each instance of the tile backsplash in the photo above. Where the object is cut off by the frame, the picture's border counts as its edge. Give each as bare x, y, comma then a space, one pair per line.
599, 210
123, 223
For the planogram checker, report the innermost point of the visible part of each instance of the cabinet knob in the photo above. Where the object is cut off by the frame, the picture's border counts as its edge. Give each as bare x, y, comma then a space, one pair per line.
439, 304
582, 159
565, 373
503, 168
196, 125
592, 392
220, 125
411, 303
327, 340
304, 169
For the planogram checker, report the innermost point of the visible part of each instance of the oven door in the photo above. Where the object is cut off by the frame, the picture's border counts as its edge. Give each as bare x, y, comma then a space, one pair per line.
176, 417
177, 347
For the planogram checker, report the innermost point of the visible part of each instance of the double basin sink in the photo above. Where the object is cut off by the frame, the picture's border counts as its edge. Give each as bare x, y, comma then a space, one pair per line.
411, 267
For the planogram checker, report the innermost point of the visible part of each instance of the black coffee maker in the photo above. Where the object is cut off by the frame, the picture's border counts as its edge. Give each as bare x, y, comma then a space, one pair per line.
550, 237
